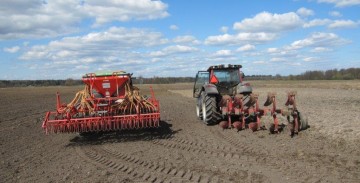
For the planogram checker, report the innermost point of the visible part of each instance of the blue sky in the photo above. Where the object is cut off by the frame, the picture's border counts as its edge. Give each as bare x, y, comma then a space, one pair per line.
59, 39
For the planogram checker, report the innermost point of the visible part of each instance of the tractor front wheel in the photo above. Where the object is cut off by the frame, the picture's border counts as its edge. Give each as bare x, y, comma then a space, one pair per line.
209, 110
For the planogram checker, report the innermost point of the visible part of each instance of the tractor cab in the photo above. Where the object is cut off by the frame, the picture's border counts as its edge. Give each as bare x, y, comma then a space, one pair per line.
225, 79
225, 76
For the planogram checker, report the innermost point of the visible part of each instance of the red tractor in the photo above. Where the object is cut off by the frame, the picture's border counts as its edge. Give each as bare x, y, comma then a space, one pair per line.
109, 102
223, 97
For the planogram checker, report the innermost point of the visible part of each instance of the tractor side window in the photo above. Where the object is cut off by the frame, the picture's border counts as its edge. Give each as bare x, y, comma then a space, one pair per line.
202, 78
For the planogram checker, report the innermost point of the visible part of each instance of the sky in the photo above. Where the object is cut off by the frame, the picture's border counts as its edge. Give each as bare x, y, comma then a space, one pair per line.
60, 39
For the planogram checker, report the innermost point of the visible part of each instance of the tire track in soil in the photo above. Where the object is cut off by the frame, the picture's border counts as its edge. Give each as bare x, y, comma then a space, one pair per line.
217, 147
253, 164
149, 171
238, 145
193, 147
171, 170
314, 160
261, 155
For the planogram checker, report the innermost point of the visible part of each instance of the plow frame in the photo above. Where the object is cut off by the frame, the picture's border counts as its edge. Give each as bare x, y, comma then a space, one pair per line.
235, 107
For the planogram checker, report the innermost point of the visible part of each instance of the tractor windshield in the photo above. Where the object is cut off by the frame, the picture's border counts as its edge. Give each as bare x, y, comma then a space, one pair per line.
227, 77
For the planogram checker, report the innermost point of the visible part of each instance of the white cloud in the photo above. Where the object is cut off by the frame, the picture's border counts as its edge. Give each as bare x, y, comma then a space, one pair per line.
284, 52
320, 49
39, 19
112, 10
175, 49
259, 62
223, 53
317, 22
305, 12
34, 18
272, 50
335, 14
278, 59
294, 64
316, 42
174, 27
310, 59
319, 39
338, 24
247, 47
186, 39
341, 3
179, 49
97, 46
240, 38
332, 24
224, 29
12, 49
268, 22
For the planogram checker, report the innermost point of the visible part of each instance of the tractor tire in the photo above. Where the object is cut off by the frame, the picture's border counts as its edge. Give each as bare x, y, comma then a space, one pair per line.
199, 113
209, 110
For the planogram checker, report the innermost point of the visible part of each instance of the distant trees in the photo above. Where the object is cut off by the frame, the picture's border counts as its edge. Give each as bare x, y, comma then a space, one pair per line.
333, 74
24, 83
71, 82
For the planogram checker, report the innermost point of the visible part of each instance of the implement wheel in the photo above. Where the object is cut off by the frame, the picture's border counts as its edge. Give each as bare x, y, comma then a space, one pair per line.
303, 123
209, 110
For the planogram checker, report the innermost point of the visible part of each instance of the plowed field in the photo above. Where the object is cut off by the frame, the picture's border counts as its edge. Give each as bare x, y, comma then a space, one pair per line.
184, 149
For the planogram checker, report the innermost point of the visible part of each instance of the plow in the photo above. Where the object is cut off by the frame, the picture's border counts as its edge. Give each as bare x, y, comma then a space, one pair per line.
222, 97
108, 102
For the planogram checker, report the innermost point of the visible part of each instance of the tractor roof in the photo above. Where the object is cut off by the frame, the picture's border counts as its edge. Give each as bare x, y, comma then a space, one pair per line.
223, 67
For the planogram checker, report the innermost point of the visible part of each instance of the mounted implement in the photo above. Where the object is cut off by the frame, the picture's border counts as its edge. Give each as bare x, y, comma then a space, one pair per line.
109, 102
223, 97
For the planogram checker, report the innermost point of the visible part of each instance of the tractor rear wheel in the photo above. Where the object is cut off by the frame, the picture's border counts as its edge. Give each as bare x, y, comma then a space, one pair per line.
209, 110
199, 113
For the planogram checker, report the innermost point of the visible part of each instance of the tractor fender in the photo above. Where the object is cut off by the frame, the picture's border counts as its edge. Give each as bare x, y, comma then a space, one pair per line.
244, 88
210, 89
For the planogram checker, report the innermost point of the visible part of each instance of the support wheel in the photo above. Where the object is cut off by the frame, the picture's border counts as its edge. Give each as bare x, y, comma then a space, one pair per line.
303, 123
209, 110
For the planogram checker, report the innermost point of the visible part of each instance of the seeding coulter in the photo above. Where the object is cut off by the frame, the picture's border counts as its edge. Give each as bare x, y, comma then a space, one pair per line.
223, 97
109, 102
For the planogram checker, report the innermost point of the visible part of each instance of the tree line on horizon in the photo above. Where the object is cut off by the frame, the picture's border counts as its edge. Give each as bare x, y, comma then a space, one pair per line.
334, 74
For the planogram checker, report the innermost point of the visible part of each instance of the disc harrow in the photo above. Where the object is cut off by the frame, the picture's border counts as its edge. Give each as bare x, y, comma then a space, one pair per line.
109, 102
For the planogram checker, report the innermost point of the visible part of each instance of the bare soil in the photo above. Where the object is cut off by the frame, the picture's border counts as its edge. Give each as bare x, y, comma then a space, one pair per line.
184, 149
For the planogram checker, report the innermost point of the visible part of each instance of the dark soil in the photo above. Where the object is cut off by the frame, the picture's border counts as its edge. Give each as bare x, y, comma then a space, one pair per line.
182, 150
